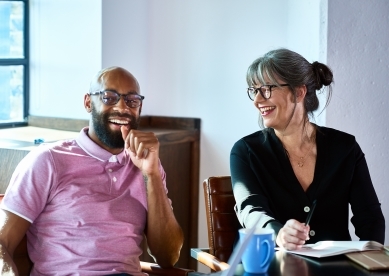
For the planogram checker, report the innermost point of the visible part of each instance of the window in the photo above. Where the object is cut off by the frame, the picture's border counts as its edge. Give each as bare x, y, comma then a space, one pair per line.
14, 65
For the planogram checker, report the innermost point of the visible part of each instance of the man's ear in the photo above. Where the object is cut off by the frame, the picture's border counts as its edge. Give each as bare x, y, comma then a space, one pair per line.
87, 103
301, 91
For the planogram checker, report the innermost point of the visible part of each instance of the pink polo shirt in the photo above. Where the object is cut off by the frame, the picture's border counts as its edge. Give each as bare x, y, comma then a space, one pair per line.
87, 208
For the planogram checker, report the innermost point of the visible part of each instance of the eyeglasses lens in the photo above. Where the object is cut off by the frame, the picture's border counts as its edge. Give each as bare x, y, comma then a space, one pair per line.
252, 92
112, 98
265, 91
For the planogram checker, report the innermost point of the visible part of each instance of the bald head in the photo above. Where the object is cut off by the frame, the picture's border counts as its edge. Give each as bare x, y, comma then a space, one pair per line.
113, 74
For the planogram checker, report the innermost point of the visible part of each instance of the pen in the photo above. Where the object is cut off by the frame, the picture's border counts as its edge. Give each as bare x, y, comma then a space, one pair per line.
310, 213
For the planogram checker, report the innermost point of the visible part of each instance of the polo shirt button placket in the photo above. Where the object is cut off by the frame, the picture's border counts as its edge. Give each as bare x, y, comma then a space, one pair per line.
114, 179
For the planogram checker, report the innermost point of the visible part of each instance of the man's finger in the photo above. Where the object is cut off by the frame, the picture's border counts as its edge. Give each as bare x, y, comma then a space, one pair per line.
125, 131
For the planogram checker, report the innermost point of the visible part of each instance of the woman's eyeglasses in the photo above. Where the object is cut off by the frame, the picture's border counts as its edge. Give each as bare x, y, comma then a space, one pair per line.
264, 90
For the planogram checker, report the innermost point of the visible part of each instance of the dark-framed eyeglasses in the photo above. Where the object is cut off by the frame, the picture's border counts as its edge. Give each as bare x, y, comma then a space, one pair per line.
264, 90
110, 97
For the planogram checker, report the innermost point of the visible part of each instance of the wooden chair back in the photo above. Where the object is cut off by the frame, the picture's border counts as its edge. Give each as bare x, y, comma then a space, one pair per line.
222, 222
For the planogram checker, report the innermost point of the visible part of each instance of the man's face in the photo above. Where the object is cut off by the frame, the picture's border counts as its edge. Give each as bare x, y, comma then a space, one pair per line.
107, 120
111, 137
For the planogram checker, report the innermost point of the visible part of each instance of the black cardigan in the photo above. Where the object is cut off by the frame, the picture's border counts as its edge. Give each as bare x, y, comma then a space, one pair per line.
266, 187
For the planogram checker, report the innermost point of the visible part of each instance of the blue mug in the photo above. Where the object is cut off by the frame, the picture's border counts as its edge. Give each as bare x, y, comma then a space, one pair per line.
259, 252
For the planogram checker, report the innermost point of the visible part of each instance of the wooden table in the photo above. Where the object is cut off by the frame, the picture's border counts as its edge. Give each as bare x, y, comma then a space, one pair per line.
286, 264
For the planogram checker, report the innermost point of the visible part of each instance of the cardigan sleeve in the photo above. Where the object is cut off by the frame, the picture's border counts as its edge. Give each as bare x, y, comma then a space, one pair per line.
251, 201
367, 219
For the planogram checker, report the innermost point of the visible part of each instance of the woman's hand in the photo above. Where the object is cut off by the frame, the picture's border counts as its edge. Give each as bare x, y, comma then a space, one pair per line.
293, 235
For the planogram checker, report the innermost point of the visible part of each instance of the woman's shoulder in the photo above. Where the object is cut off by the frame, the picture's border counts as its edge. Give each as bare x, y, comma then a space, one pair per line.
256, 139
335, 133
335, 137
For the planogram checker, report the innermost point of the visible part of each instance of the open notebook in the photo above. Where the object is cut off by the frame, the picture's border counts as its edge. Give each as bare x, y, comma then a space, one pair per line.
332, 248
236, 254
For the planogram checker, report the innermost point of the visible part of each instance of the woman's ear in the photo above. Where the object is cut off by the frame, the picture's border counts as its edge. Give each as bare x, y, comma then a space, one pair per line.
301, 91
87, 103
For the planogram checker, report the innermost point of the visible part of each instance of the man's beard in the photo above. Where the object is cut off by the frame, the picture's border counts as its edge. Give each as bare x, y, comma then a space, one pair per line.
110, 138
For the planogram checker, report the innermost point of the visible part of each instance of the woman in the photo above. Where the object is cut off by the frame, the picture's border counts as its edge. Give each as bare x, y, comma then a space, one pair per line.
278, 172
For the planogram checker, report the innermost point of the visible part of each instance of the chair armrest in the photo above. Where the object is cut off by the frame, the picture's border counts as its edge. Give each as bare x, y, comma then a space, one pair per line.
155, 269
202, 255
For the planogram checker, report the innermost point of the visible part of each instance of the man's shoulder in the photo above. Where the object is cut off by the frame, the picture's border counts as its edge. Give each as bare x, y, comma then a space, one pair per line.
53, 149
58, 146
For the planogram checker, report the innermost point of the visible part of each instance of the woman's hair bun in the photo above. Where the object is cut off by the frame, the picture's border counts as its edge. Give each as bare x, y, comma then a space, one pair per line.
323, 74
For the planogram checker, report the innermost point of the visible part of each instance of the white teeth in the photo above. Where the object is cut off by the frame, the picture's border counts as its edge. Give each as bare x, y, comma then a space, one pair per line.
119, 122
264, 109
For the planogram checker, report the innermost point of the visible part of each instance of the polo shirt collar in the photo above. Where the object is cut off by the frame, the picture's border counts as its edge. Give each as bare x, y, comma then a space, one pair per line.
94, 150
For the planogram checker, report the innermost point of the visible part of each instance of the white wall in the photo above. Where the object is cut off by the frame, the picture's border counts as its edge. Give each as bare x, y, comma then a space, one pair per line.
358, 44
65, 53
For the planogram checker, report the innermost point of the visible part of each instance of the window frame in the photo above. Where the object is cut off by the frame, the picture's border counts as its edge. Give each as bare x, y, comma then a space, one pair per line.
25, 62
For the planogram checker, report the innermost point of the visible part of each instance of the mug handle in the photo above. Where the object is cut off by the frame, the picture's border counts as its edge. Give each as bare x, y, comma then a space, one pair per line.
268, 252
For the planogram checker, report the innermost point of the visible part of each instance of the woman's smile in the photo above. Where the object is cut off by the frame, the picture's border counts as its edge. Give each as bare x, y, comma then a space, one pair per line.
266, 110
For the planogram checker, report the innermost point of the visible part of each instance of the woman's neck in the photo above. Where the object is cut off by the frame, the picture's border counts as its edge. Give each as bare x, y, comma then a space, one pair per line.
297, 136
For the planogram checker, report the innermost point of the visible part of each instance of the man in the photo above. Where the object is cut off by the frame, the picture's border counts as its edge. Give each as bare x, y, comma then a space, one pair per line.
86, 203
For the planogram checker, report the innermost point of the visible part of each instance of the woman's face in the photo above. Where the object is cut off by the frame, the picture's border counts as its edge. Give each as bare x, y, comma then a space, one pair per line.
277, 110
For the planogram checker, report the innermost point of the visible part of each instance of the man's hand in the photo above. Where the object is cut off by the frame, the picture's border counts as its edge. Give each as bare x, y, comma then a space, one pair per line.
293, 235
164, 235
143, 148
